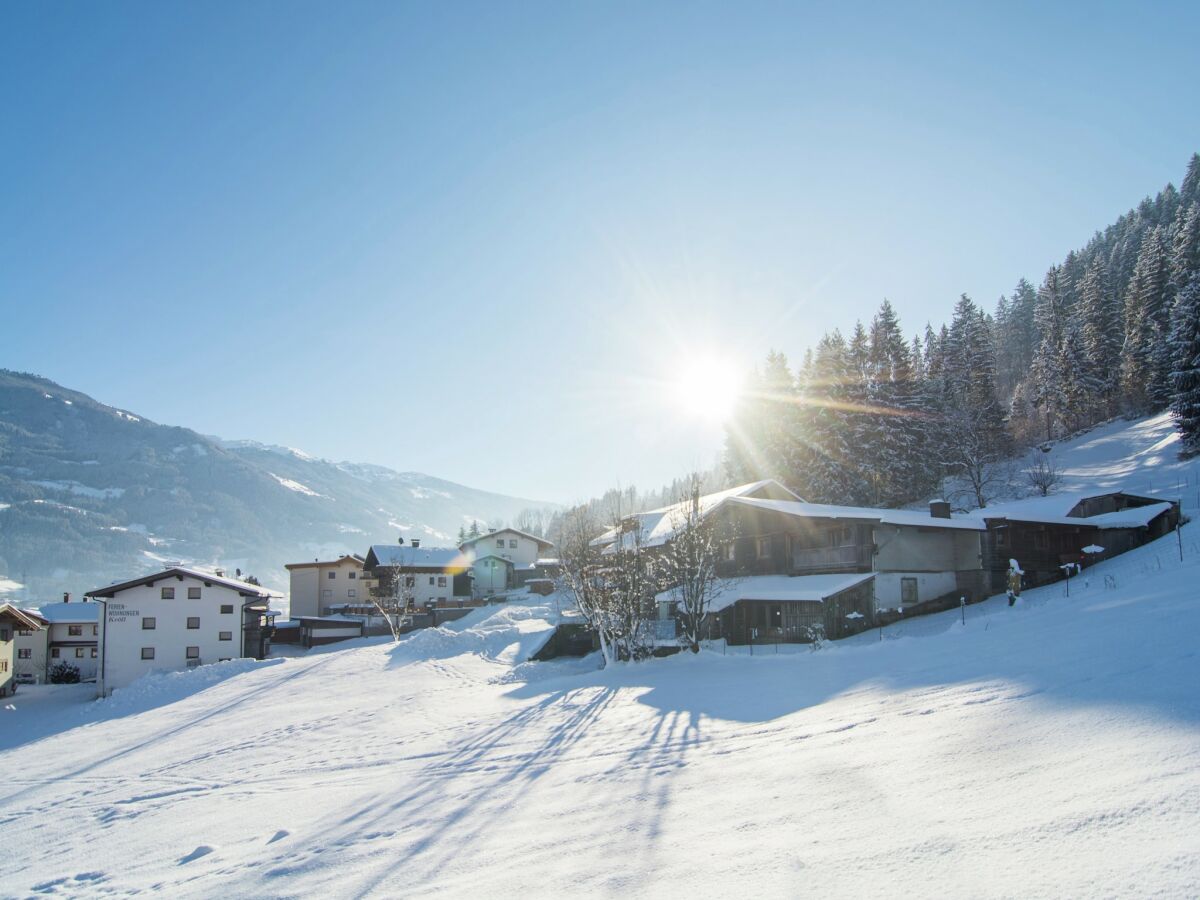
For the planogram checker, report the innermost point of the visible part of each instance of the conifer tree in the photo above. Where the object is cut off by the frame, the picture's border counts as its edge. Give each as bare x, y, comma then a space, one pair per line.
1185, 377
1100, 338
1143, 379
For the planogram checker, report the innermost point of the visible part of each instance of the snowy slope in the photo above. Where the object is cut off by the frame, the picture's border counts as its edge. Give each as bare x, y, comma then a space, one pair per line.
1052, 749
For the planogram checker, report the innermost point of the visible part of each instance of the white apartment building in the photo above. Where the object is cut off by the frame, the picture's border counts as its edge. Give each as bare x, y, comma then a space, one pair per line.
432, 575
72, 637
179, 618
523, 550
318, 585
12, 620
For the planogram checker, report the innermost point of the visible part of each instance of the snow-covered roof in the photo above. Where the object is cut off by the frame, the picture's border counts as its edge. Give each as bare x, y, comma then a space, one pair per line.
23, 618
61, 613
1055, 509
812, 588
353, 557
658, 525
407, 557
541, 542
242, 587
909, 517
507, 562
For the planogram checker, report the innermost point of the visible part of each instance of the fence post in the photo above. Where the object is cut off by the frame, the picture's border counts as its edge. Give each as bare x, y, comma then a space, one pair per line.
1179, 536
962, 604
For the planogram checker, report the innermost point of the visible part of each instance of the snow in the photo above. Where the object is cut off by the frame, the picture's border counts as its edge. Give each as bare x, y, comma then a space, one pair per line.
409, 557
74, 487
777, 587
69, 612
295, 485
1045, 750
883, 516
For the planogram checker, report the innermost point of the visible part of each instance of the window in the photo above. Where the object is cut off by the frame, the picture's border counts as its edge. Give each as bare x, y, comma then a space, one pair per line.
410, 581
193, 593
24, 632
225, 636
332, 575
93, 653
149, 623
731, 551
54, 653
193, 622
167, 594
148, 652
441, 581
763, 546
193, 652
352, 593
226, 609
512, 545
24, 653
500, 542
1002, 537
75, 630
352, 575
3, 634
79, 653
95, 630
431, 581
3, 665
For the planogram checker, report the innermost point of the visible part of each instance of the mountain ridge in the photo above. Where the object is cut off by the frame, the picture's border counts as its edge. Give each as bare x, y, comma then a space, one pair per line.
91, 492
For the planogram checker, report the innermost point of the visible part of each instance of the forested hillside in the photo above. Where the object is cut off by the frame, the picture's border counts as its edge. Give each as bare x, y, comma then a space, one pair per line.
881, 418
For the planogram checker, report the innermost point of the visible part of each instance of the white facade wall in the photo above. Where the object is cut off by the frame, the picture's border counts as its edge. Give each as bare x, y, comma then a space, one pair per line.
516, 547
37, 643
888, 587
442, 587
125, 635
85, 658
315, 588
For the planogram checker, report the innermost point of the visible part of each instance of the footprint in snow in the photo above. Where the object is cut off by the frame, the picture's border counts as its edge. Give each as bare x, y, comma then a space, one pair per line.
202, 850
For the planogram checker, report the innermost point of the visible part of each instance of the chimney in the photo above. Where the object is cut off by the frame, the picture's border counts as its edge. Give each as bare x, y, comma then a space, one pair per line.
416, 543
939, 509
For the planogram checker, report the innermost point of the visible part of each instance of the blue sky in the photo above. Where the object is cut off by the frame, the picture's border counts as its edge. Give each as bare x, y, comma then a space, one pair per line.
477, 240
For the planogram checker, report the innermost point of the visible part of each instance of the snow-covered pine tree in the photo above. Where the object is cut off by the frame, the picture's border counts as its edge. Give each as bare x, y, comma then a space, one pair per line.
1143, 379
1100, 339
1189, 190
1185, 246
1185, 377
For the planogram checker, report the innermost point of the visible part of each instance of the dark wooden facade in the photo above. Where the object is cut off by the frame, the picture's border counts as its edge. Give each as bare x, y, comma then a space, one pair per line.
769, 621
764, 542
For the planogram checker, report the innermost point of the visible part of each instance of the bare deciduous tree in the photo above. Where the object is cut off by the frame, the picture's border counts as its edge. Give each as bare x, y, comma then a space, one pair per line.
394, 596
973, 454
581, 572
690, 559
1044, 475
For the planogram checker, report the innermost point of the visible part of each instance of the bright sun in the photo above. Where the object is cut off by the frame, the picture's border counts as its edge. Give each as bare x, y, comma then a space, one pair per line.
707, 387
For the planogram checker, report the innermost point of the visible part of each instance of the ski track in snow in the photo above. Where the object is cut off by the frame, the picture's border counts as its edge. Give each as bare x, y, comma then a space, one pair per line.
1051, 749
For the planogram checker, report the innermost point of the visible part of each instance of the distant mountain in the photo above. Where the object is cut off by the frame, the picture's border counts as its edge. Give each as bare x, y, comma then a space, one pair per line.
89, 493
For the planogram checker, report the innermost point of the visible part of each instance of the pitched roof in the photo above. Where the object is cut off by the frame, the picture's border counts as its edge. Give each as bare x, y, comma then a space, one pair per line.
658, 525
541, 542
24, 619
62, 613
243, 588
325, 562
406, 557
1055, 510
793, 588
905, 517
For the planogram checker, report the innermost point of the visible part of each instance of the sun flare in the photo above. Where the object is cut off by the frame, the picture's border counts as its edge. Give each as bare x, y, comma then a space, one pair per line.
707, 387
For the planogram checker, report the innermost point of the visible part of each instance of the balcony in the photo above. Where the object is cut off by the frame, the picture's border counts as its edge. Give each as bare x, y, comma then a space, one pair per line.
832, 559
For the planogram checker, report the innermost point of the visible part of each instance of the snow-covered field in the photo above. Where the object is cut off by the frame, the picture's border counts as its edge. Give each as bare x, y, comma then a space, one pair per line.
1052, 749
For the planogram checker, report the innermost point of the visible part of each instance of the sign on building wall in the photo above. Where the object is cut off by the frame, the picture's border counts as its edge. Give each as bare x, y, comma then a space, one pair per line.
119, 612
